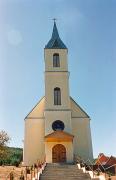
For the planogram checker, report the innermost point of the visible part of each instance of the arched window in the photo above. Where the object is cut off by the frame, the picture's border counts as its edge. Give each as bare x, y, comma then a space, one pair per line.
56, 60
57, 96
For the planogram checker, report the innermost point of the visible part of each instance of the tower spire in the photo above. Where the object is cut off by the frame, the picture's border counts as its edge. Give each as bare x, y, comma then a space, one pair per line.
55, 42
55, 30
54, 19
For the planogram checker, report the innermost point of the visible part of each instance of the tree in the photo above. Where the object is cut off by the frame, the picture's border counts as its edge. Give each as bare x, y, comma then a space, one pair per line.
4, 139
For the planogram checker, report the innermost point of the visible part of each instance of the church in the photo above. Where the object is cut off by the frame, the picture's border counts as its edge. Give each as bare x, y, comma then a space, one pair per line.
57, 128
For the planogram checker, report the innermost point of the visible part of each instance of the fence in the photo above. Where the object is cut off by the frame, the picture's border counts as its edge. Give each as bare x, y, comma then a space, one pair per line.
34, 171
97, 169
28, 172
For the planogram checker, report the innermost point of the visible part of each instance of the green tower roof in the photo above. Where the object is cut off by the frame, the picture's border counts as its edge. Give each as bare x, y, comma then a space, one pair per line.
55, 42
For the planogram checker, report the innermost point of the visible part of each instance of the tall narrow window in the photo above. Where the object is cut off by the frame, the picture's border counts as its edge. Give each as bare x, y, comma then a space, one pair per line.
57, 96
56, 60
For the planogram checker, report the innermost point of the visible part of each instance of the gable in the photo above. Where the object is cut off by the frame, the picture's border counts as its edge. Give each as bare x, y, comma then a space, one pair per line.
77, 111
102, 159
37, 111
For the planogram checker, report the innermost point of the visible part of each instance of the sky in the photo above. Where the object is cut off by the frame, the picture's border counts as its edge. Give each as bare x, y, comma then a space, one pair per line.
88, 29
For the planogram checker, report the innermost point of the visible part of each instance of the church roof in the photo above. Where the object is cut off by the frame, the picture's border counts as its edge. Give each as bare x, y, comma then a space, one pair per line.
111, 161
59, 136
55, 42
80, 109
38, 110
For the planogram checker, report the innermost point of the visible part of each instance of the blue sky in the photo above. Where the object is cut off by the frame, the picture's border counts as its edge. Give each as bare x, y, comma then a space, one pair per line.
88, 29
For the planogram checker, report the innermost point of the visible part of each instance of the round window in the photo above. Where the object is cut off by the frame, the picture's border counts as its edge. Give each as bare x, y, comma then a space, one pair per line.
58, 125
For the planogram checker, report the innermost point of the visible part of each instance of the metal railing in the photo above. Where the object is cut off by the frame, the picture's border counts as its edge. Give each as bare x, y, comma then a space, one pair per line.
13, 175
96, 169
28, 172
87, 165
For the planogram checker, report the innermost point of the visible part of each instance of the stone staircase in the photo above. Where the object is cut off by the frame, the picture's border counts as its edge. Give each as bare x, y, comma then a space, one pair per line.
57, 171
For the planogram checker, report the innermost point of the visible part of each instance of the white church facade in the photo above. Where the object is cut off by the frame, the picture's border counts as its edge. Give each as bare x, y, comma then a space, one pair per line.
57, 128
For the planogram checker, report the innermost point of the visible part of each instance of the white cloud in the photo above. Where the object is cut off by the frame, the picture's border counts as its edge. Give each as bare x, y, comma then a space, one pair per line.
14, 37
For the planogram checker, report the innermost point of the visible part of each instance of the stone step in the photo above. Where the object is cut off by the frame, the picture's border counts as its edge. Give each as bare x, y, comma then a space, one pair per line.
57, 171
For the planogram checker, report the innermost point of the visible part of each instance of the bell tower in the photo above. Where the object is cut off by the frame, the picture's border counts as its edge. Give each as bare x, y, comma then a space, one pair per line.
57, 98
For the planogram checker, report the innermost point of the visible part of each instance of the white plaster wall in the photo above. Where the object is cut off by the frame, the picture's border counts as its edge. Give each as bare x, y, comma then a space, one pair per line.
48, 57
38, 110
53, 80
34, 147
81, 131
56, 77
82, 138
51, 116
77, 111
50, 145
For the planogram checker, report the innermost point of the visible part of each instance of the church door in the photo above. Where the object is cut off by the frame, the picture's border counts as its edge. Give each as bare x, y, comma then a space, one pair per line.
58, 153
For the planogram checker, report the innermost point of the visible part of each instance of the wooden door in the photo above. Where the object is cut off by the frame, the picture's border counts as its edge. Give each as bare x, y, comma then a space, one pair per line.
58, 153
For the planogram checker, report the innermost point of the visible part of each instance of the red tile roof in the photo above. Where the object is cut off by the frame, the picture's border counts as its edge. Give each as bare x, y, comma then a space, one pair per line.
104, 160
111, 161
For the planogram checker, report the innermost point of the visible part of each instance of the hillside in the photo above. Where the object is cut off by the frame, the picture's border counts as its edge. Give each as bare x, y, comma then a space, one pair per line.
14, 156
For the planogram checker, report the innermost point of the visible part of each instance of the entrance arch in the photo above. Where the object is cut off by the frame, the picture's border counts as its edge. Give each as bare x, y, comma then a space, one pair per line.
58, 153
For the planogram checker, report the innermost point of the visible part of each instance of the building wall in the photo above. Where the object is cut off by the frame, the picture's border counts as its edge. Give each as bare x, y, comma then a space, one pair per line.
53, 80
56, 77
69, 150
82, 132
82, 138
34, 147
39, 123
48, 57
38, 110
51, 116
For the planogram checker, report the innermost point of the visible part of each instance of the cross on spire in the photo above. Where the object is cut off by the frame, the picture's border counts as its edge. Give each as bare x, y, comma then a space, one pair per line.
54, 19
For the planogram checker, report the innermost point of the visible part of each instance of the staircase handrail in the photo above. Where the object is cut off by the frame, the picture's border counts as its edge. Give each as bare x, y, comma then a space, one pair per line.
85, 164
110, 166
38, 164
101, 164
82, 161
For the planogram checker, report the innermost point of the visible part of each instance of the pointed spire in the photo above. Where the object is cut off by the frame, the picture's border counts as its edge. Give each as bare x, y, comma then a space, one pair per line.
55, 31
55, 42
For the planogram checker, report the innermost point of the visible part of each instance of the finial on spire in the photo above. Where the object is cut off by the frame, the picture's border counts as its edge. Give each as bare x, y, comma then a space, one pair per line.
54, 19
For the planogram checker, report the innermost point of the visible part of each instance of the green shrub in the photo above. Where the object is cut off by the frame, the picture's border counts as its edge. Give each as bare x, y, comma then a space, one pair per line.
14, 157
